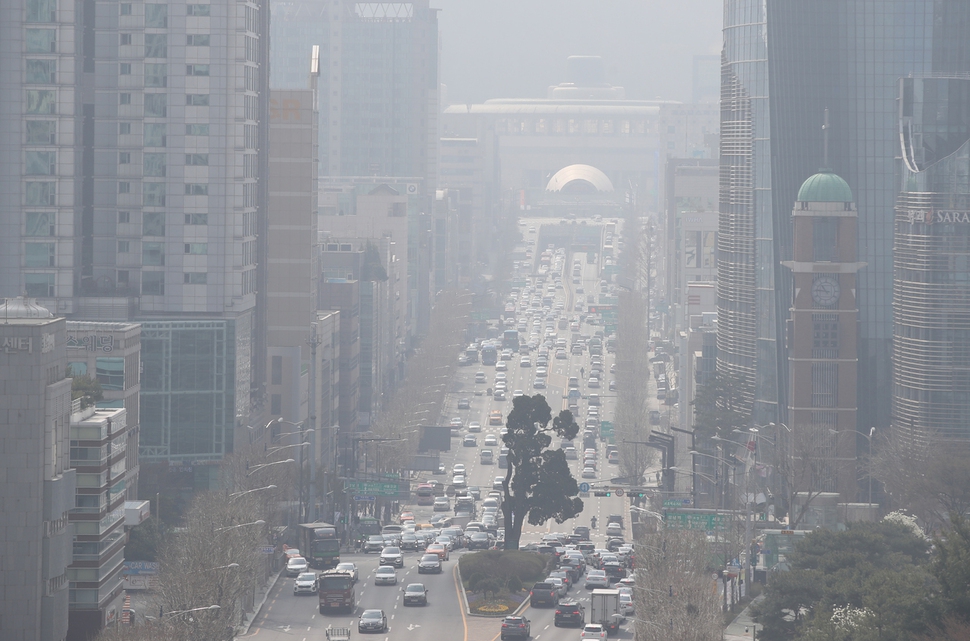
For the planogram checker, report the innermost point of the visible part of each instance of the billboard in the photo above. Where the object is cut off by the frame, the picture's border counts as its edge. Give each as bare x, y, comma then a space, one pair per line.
435, 438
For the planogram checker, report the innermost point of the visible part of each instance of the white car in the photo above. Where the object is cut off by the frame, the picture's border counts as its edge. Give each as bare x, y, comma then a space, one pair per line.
626, 604
306, 583
589, 473
474, 426
296, 566
541, 372
500, 376
525, 362
501, 366
593, 631
385, 575
458, 468
539, 383
392, 556
491, 440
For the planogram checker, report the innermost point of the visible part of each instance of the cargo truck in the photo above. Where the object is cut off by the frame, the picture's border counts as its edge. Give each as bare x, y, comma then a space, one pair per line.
604, 609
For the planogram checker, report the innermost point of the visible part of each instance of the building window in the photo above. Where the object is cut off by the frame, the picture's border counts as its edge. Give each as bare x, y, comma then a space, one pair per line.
195, 278
40, 193
78, 368
153, 223
197, 40
197, 99
41, 10
197, 248
124, 69
124, 187
201, 160
124, 39
825, 239
196, 130
156, 45
153, 283
124, 216
124, 246
196, 70
41, 132
276, 374
39, 163
156, 16
154, 164
125, 8
124, 99
152, 254
156, 105
124, 158
40, 40
155, 134
196, 189
197, 10
39, 255
124, 128
41, 72
156, 74
153, 194
39, 285
110, 372
276, 404
41, 101
196, 219
40, 223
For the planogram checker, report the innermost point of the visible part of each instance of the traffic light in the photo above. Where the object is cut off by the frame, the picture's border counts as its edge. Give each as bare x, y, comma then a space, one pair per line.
601, 493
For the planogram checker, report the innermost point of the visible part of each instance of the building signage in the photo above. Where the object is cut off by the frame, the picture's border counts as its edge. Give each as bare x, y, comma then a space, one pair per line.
91, 342
938, 216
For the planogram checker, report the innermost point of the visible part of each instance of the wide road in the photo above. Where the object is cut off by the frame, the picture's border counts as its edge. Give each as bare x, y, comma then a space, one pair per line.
287, 617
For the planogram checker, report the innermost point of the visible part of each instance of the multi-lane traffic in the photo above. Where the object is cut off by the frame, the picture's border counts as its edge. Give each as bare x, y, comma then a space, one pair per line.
551, 316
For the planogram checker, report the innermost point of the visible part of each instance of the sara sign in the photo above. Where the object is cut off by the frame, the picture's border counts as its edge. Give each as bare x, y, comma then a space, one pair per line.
938, 216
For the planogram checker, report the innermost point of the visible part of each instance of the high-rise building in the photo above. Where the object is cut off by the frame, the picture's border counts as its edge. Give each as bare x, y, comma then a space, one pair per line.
931, 256
379, 82
783, 65
38, 489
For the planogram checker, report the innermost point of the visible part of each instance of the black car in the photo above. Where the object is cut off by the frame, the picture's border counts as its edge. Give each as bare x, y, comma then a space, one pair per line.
543, 594
516, 627
582, 532
570, 613
479, 541
372, 621
415, 594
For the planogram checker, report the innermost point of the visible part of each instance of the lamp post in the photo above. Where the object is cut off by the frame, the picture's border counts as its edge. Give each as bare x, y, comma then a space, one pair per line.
233, 527
236, 495
176, 613
869, 437
256, 468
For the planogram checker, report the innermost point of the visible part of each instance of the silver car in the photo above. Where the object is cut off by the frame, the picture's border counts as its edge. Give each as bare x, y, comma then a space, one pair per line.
306, 583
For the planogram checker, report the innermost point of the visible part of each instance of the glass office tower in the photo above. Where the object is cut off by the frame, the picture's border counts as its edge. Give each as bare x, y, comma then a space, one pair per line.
931, 297
784, 64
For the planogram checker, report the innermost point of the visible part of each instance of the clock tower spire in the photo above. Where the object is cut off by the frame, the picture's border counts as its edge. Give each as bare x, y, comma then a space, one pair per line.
822, 339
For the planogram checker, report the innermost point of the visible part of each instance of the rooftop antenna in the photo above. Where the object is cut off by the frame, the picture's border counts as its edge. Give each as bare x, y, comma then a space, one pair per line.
825, 138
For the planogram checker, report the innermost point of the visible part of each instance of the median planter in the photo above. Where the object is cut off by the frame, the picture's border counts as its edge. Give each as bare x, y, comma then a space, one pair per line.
492, 580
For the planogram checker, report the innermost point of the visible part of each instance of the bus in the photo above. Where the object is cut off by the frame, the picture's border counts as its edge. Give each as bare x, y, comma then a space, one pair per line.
320, 544
489, 355
425, 494
510, 340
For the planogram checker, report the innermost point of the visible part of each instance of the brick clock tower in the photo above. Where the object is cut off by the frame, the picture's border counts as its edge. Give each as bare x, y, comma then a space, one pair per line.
822, 338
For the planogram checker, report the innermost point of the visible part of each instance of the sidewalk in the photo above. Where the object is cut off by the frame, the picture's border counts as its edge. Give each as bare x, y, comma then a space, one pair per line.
736, 630
261, 594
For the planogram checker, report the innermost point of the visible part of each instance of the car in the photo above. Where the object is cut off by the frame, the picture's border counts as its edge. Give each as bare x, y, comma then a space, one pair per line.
440, 549
464, 403
385, 575
561, 354
593, 631
612, 386
516, 627
474, 426
296, 566
349, 568
474, 491
626, 604
589, 473
543, 593
405, 517
525, 361
306, 583
455, 422
596, 579
441, 504
570, 453
415, 594
561, 585
372, 621
458, 468
582, 532
459, 481
469, 441
392, 556
480, 377
491, 440
539, 383
614, 530
375, 543
570, 613
479, 541
498, 483
593, 382
541, 372
430, 563
440, 470
501, 366
495, 417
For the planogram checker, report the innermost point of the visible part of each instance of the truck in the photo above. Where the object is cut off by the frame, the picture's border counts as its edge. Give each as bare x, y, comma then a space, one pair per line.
604, 609
320, 544
335, 589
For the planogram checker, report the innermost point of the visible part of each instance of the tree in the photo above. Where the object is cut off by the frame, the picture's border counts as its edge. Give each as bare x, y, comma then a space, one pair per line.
632, 416
86, 388
538, 485
951, 567
719, 406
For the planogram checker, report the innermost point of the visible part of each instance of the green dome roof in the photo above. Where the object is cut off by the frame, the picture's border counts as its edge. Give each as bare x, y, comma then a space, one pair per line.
825, 187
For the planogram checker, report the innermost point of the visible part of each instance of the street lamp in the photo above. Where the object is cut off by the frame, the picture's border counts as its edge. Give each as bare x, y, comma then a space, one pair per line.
233, 527
274, 450
256, 468
231, 566
175, 613
236, 495
872, 434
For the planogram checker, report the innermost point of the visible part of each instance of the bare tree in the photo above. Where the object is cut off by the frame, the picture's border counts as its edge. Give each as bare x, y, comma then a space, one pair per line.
675, 597
808, 467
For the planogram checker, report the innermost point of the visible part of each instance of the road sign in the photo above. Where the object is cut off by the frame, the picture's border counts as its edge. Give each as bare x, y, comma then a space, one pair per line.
584, 495
267, 549
677, 502
584, 487
695, 521
365, 498
376, 488
619, 491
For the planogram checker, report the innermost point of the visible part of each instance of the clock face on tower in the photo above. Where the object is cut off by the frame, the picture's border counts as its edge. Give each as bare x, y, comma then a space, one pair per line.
826, 291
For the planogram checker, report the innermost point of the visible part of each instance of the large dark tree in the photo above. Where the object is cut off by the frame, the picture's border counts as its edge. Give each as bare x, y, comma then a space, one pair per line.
720, 406
538, 485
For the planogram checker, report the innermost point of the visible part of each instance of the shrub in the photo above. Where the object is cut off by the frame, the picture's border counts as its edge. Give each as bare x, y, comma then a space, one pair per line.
487, 586
474, 580
527, 567
514, 584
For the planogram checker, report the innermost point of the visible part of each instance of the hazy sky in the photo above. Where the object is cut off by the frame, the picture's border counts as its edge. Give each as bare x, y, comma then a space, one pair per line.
517, 48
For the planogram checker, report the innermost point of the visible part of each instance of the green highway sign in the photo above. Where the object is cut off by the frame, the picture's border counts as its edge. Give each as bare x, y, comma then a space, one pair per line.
695, 521
677, 502
375, 488
606, 429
